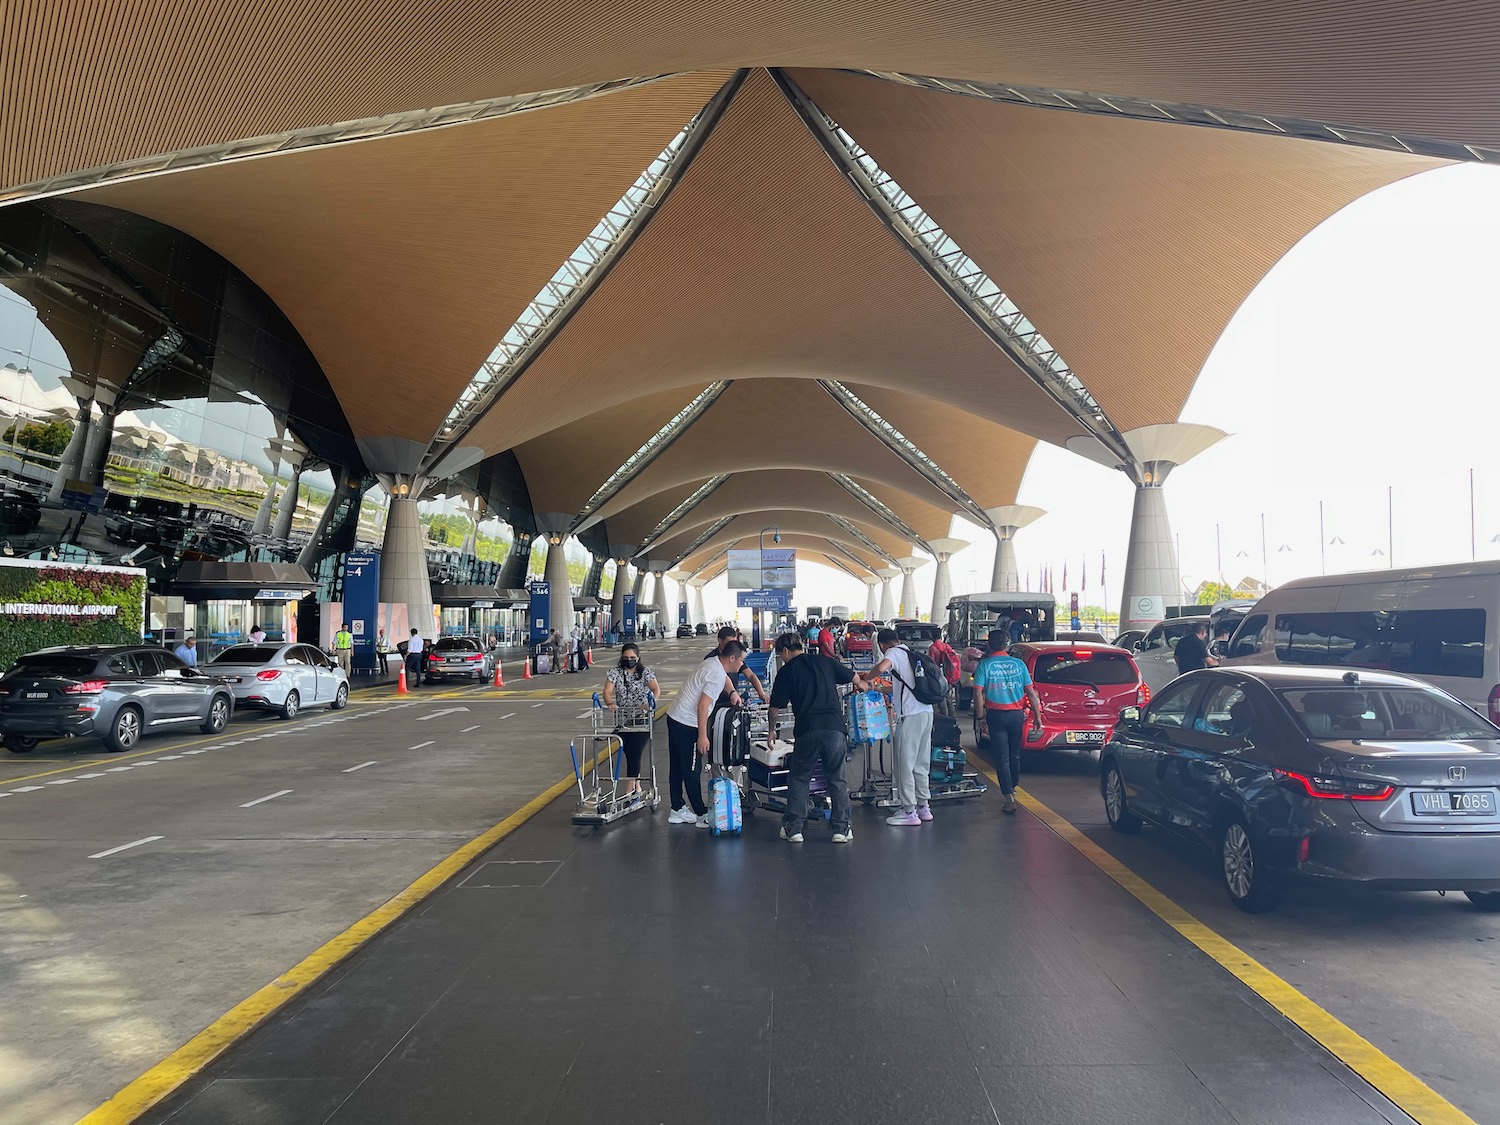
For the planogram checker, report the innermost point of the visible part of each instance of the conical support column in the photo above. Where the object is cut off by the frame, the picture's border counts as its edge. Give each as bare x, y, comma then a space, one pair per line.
1151, 577
887, 606
699, 617
1009, 519
909, 565
559, 589
872, 598
71, 466
289, 498
404, 584
617, 598
942, 581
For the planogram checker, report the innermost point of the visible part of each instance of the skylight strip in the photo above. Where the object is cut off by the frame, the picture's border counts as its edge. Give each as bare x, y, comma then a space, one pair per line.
861, 537
671, 518
878, 506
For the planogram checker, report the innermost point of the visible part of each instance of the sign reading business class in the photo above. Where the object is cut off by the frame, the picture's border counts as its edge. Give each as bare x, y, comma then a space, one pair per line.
763, 570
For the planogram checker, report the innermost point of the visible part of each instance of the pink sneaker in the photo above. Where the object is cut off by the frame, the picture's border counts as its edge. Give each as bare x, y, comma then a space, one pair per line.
904, 819
924, 813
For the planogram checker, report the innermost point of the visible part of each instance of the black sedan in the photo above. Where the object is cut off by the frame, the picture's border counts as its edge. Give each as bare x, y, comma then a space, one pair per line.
1362, 777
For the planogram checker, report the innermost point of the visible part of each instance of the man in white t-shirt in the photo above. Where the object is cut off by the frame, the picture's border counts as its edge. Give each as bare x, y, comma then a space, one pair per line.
414, 659
687, 732
912, 737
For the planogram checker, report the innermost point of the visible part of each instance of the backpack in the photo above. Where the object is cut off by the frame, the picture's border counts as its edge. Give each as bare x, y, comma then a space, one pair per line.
947, 665
928, 685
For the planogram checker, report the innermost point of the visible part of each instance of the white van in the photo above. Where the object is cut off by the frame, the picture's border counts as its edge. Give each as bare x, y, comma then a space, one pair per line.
1439, 623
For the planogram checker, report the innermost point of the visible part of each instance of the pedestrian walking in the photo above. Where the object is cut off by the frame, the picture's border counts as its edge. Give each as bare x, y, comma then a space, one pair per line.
414, 649
945, 656
809, 683
1002, 688
343, 647
687, 732
629, 687
187, 652
911, 739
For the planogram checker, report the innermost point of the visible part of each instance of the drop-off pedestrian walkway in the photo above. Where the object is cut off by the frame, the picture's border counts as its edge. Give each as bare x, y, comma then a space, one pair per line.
977, 969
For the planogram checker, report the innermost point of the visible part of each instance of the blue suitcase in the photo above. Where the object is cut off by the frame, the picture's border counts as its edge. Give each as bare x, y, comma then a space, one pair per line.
724, 812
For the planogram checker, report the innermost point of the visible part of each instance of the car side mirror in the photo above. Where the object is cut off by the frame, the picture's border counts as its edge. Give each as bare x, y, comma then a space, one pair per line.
1130, 715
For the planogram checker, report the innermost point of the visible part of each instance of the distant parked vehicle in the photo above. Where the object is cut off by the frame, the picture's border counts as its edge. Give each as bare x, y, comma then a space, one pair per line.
1082, 688
1083, 637
284, 678
1156, 652
117, 692
460, 656
684, 631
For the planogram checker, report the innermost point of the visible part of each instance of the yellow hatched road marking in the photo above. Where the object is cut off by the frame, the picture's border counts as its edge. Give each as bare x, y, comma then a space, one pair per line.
1419, 1100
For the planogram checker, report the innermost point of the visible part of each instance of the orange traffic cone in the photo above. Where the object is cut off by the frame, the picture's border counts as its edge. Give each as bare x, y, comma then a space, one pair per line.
499, 677
401, 681
526, 675
588, 659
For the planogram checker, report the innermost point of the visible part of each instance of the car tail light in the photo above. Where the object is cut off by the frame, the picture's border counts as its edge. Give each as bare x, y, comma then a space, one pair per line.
1337, 788
1304, 849
1495, 704
86, 687
268, 674
473, 658
1142, 695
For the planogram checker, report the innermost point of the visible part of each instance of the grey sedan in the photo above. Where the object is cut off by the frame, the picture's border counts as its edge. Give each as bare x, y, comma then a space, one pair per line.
118, 692
283, 678
460, 656
1364, 778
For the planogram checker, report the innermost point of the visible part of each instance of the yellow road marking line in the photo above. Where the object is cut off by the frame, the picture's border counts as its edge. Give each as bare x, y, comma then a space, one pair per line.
1419, 1100
182, 1064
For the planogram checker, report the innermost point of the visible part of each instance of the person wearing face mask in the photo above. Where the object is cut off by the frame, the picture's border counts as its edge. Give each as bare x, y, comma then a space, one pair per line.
627, 687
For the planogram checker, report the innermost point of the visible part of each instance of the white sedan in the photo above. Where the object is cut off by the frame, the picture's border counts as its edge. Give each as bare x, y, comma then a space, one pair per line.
283, 678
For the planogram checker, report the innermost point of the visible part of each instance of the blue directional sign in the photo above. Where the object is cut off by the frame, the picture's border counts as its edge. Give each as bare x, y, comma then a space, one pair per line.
627, 617
779, 600
682, 614
362, 604
539, 617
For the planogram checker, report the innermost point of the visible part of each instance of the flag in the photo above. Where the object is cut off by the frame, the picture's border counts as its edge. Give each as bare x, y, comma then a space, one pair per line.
1065, 575
1083, 571
1101, 572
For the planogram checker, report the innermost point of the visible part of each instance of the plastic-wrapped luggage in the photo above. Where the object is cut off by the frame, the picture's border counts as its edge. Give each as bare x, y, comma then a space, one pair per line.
729, 736
869, 719
725, 814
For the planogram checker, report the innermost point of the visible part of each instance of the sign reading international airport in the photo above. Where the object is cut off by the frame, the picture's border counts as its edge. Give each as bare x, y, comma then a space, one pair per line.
761, 570
43, 604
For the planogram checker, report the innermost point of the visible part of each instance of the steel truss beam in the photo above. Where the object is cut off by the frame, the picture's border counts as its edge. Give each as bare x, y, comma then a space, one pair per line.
316, 136
876, 505
860, 537
579, 276
901, 445
1184, 113
655, 446
960, 277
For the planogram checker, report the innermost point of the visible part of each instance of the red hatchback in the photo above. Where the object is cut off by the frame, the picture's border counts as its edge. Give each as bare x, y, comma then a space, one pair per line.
1082, 688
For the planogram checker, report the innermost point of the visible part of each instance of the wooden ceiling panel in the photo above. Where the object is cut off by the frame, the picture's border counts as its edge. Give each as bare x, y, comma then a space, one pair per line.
87, 84
790, 522
857, 555
765, 263
1129, 244
404, 261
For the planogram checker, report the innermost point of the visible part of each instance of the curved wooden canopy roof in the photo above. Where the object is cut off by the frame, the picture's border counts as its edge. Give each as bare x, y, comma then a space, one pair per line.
403, 259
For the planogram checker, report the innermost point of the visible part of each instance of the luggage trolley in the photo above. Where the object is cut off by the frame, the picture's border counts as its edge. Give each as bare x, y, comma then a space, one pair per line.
601, 799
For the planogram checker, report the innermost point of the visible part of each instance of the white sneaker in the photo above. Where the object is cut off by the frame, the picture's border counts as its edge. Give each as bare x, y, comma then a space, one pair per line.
791, 837
683, 815
844, 837
703, 822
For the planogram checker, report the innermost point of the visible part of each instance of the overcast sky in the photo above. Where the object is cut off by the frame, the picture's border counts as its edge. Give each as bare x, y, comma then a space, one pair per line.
1365, 361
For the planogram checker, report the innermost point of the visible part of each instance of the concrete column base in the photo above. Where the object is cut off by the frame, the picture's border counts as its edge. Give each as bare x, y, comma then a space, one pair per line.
1151, 581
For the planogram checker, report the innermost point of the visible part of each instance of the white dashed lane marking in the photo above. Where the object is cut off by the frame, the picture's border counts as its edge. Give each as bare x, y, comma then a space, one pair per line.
126, 847
361, 766
119, 769
419, 745
512, 715
263, 800
466, 730
27, 789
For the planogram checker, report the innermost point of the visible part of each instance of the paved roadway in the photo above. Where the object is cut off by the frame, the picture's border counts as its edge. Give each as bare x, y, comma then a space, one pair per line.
276, 836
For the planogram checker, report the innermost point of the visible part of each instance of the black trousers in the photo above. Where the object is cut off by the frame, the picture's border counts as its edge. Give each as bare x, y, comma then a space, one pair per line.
684, 768
635, 746
1005, 746
831, 747
413, 669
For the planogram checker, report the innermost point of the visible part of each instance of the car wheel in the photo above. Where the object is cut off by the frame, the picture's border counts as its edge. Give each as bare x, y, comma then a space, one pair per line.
1487, 901
124, 732
1116, 807
1248, 882
20, 743
341, 698
218, 716
292, 705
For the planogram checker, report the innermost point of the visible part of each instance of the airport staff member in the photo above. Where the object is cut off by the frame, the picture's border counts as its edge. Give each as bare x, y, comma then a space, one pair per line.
187, 652
1002, 688
343, 647
808, 681
414, 659
687, 732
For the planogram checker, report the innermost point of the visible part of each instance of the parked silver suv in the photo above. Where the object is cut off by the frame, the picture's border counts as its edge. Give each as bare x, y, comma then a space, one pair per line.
118, 692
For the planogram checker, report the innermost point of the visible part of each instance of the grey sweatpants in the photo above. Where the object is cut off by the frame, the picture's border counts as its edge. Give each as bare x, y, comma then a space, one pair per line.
912, 743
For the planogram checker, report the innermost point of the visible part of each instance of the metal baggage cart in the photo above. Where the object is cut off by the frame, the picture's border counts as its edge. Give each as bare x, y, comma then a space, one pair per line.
601, 794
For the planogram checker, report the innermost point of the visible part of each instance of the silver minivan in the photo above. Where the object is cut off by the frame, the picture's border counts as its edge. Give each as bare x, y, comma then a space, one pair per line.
1438, 623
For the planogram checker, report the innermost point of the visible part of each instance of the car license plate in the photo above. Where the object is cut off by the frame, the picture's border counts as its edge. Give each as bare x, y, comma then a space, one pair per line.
1453, 802
1076, 736
37, 695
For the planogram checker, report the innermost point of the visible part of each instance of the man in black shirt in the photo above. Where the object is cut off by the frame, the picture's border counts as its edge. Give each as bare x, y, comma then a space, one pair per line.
808, 681
1192, 651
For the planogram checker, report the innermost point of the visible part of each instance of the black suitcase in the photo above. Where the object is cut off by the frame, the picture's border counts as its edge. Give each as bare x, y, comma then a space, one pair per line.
729, 736
945, 733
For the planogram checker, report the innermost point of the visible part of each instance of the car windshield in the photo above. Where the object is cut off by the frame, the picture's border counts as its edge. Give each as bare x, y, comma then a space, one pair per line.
1379, 714
246, 654
455, 644
1087, 669
917, 632
55, 664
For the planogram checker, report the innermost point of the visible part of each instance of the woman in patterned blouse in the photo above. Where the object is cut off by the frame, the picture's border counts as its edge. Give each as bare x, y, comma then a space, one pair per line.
627, 687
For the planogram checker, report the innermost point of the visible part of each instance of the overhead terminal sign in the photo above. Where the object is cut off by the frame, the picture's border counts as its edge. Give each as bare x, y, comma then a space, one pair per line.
763, 570
775, 600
